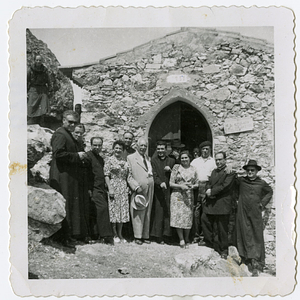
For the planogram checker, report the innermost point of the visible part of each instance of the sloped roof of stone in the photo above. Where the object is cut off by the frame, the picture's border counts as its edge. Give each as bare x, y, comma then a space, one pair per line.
255, 43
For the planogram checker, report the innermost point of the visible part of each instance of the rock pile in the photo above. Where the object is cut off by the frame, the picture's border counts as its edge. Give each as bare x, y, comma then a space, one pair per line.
46, 207
205, 262
46, 210
39, 152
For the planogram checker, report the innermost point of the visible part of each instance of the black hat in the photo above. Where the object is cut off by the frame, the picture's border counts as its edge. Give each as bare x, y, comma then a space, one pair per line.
177, 144
252, 163
203, 144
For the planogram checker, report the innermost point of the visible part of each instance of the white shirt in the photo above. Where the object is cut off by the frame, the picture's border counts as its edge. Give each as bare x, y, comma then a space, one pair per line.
204, 167
149, 166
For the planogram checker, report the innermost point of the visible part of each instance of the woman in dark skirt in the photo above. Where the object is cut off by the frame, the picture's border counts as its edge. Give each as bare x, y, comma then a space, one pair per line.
38, 86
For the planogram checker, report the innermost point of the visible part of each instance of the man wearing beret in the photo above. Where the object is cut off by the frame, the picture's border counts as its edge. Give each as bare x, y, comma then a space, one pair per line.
204, 165
254, 195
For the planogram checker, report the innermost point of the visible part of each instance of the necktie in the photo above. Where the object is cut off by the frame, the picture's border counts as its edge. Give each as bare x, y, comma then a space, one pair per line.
145, 163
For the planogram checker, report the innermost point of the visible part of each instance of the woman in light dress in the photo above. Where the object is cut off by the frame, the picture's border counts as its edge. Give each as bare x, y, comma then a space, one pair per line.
116, 171
183, 181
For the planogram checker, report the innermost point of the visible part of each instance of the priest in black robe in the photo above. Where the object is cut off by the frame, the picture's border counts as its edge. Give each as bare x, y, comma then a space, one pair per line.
65, 176
162, 166
254, 195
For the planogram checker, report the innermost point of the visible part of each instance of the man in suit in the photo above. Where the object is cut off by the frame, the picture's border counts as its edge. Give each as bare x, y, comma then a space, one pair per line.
140, 180
128, 139
162, 166
218, 206
64, 178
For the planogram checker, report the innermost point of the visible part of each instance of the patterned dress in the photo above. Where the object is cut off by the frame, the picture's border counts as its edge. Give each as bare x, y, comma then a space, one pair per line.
117, 171
182, 201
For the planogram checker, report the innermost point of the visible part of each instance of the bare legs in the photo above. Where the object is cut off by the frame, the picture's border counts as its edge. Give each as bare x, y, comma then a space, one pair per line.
117, 230
183, 235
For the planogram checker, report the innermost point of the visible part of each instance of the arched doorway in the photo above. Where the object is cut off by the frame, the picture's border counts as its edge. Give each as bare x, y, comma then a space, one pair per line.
182, 121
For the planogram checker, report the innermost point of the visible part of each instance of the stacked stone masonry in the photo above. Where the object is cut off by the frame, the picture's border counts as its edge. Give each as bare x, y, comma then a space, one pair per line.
226, 76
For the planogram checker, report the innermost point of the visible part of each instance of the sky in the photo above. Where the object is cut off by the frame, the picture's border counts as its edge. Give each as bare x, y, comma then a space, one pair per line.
83, 45
86, 45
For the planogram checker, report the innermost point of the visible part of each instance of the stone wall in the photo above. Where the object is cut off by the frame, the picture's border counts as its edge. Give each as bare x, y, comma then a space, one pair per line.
224, 75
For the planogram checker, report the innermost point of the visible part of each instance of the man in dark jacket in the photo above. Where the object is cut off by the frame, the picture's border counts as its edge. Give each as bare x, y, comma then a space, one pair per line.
254, 195
98, 191
218, 206
162, 166
64, 178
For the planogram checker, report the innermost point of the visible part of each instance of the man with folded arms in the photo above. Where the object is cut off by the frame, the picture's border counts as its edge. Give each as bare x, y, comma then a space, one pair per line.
140, 180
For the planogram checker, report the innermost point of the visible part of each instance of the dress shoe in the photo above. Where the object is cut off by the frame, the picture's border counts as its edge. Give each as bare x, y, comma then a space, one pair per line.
203, 243
159, 241
87, 240
109, 241
100, 240
146, 241
138, 241
68, 243
196, 240
78, 242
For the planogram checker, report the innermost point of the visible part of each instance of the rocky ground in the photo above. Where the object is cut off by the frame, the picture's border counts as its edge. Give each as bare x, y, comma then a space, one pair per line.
133, 261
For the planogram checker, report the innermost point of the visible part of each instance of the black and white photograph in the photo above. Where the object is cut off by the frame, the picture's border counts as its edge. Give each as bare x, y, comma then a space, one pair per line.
151, 153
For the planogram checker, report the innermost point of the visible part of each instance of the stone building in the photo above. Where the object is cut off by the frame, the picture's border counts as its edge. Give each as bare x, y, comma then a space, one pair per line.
195, 84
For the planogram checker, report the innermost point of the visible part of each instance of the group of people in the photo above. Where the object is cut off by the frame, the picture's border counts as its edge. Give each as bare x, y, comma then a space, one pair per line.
130, 197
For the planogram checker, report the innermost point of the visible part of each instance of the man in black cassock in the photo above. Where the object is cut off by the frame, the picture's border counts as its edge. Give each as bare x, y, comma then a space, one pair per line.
64, 178
162, 166
254, 195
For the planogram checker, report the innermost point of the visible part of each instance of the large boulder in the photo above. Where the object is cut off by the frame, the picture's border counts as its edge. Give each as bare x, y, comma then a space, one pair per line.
39, 230
205, 262
42, 134
46, 211
38, 143
41, 169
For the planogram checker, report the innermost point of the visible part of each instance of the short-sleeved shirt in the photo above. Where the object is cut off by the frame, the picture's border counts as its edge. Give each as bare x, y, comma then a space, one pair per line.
204, 167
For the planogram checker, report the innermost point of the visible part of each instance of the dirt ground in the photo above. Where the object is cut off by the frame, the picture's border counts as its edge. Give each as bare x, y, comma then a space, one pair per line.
119, 261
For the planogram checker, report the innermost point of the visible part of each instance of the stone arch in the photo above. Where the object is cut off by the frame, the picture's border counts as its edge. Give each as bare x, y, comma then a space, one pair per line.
172, 103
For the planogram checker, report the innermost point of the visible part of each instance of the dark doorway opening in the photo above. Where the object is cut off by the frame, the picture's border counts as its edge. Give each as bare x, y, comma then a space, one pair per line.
180, 121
